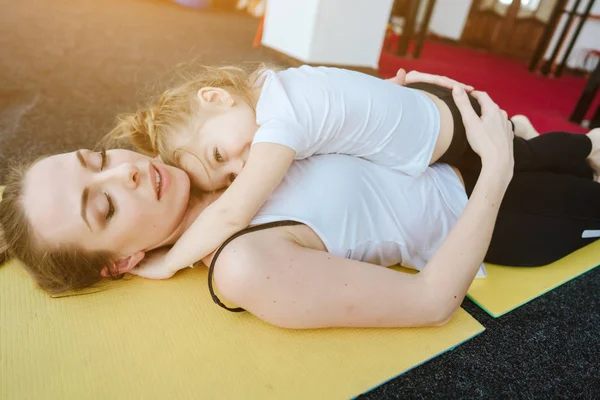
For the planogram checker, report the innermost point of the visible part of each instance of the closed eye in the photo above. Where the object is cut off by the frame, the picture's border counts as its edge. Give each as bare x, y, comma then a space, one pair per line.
103, 155
111, 208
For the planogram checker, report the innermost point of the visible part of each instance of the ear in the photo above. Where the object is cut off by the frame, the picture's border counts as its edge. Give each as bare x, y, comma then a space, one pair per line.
123, 265
215, 96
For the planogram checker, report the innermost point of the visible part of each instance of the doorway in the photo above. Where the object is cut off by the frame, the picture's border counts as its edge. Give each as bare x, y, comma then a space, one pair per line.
508, 27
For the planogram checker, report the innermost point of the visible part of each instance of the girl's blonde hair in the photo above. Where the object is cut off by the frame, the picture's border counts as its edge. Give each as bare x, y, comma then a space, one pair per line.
152, 128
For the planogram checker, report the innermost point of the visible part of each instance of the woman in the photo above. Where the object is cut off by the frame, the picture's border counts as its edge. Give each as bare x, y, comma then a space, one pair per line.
108, 210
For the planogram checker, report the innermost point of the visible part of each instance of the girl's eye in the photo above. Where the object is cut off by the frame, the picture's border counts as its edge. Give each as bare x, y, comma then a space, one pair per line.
111, 208
103, 155
232, 177
217, 155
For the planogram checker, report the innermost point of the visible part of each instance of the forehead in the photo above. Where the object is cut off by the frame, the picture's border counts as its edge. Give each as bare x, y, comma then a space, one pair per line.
51, 191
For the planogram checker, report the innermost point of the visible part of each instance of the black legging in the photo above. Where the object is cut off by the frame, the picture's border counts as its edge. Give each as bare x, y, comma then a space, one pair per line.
542, 217
557, 152
550, 201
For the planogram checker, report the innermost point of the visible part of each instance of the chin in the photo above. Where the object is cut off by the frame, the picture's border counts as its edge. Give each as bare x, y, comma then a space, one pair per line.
180, 191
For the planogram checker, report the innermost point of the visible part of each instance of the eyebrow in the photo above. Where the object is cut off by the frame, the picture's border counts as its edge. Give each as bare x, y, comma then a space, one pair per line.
86, 192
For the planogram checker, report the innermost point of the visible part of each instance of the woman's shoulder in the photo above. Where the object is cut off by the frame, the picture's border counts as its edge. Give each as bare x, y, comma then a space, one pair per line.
244, 262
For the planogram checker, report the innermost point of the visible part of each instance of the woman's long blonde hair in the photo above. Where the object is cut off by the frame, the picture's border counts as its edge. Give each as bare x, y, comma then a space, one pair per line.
151, 129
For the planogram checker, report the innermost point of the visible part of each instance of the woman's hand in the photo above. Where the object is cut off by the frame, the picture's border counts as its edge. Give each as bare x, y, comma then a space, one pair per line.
153, 266
491, 135
402, 78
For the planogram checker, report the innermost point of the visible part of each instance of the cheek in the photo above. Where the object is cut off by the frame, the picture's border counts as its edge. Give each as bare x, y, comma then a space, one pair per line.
138, 229
237, 143
143, 219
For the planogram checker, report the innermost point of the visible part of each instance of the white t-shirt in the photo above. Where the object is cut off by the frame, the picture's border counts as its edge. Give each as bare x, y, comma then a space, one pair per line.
319, 110
367, 212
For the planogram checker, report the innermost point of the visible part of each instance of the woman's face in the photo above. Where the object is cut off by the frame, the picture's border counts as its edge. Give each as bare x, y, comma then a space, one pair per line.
122, 202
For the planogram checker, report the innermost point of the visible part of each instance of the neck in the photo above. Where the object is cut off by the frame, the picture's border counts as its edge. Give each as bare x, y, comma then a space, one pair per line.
198, 202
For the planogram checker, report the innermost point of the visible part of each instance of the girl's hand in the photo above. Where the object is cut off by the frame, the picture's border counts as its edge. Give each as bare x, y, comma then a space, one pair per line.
402, 78
153, 266
491, 135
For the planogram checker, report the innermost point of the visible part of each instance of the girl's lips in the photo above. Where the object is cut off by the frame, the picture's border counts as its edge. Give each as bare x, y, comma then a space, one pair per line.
165, 179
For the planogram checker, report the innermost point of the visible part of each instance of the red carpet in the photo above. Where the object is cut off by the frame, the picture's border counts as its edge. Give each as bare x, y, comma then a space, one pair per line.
547, 102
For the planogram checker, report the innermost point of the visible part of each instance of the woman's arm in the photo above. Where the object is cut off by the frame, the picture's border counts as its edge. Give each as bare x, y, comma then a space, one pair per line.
455, 264
273, 276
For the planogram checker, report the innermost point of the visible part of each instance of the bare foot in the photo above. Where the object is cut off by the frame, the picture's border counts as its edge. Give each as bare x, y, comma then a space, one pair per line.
594, 158
523, 127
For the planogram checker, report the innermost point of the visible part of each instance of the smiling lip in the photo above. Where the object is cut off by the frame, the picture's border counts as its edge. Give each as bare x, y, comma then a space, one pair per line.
165, 180
152, 174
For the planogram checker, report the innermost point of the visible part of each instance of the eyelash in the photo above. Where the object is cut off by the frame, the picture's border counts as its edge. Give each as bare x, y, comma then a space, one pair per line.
217, 155
111, 207
103, 155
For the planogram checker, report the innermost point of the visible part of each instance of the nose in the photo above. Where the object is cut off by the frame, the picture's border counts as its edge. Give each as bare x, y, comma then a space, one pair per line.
237, 166
234, 168
126, 174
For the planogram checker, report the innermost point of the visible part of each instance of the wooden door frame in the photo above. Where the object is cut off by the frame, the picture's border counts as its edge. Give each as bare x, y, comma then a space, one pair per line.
510, 19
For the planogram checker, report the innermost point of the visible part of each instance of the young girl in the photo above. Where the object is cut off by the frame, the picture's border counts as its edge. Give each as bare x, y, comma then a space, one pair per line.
229, 125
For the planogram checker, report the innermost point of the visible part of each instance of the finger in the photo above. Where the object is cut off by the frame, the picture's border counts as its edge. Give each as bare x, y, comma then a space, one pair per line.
486, 103
464, 106
450, 83
504, 114
400, 78
416, 76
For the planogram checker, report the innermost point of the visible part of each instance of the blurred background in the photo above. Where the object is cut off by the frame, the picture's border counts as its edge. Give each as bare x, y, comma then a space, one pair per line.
68, 67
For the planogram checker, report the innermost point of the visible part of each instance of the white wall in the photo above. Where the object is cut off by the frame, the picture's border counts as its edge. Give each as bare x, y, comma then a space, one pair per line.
350, 32
589, 38
449, 18
289, 27
338, 32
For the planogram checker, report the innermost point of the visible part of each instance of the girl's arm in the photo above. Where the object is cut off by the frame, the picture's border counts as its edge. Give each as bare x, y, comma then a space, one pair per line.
266, 166
280, 281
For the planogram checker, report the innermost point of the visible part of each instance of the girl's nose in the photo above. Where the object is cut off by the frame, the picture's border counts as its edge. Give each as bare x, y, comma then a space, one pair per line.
233, 170
236, 166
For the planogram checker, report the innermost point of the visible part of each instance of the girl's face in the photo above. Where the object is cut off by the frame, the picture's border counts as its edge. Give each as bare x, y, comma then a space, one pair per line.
219, 147
120, 201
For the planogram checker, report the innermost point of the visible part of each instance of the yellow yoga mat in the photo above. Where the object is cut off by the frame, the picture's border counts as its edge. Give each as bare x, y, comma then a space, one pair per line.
147, 339
507, 288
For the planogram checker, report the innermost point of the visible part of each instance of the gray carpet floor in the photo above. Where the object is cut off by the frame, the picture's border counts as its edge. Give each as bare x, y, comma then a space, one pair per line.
67, 67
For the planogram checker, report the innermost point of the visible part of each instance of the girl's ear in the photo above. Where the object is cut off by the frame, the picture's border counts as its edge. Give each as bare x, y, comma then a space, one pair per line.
215, 96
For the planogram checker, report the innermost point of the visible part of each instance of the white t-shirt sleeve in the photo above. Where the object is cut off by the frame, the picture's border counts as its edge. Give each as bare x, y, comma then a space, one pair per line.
280, 133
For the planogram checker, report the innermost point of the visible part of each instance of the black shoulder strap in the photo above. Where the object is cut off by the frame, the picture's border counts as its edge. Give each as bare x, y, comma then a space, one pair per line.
211, 269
